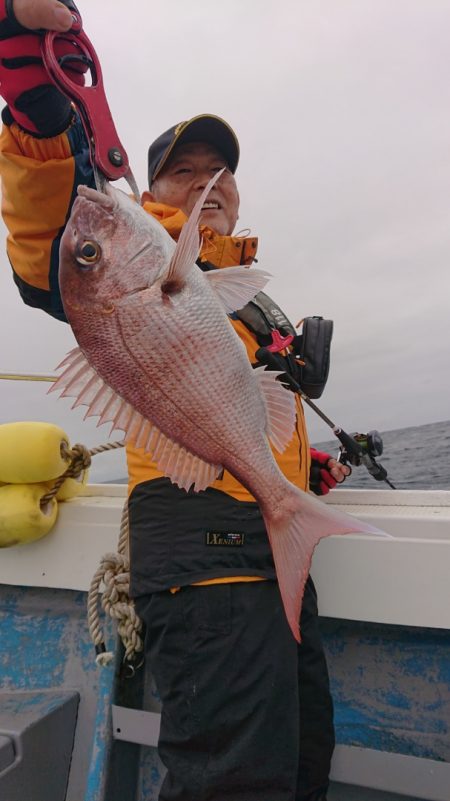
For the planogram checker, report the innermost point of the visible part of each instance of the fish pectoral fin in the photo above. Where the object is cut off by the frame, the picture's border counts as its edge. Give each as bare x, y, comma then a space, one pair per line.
180, 465
237, 286
280, 408
188, 245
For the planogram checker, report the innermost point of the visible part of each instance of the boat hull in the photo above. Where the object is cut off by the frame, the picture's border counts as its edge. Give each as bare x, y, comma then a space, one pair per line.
385, 620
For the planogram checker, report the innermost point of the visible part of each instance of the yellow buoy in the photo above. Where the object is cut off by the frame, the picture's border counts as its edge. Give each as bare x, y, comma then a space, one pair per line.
22, 516
32, 452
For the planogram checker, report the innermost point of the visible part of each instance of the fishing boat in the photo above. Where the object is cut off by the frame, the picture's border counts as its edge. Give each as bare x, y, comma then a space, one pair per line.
71, 730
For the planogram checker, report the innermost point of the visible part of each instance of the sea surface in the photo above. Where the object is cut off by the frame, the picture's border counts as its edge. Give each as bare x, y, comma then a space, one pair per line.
415, 458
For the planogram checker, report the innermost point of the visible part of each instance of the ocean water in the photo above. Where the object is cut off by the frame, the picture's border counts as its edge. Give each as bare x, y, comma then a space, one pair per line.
415, 458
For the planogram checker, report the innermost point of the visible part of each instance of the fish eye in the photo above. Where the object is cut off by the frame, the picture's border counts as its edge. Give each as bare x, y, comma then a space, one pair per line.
89, 253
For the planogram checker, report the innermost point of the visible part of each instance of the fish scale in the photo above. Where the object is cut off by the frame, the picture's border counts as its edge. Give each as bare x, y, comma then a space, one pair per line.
215, 380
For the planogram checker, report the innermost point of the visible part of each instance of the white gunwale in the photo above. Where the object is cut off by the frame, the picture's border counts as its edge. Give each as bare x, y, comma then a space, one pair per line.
404, 580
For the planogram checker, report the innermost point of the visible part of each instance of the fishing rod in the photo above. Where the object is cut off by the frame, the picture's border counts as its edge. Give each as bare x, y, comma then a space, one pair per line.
356, 449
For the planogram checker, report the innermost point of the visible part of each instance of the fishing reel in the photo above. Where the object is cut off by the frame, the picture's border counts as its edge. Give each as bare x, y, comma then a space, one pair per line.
356, 449
368, 447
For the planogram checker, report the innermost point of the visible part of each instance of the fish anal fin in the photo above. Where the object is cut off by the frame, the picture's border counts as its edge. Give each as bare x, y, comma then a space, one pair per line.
280, 408
237, 286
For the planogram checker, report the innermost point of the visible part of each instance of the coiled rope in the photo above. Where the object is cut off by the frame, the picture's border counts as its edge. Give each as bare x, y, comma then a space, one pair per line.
113, 572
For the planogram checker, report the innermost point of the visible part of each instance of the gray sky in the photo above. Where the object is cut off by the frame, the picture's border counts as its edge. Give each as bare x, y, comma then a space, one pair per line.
342, 109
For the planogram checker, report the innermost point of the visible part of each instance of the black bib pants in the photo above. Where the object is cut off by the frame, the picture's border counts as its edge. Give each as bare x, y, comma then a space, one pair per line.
246, 712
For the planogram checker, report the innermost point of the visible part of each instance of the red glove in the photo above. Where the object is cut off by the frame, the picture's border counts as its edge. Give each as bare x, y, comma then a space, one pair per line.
33, 100
320, 478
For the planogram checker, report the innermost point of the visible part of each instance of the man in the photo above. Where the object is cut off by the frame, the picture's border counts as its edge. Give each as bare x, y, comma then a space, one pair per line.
247, 713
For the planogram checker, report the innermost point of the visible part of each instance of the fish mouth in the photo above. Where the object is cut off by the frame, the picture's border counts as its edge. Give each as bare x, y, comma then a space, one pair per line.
105, 199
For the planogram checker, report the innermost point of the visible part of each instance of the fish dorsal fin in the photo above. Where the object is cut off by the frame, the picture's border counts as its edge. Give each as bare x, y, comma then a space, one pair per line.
80, 381
280, 408
236, 286
180, 465
188, 245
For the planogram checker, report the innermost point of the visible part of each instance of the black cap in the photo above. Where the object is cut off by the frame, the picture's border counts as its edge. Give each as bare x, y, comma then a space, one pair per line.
204, 128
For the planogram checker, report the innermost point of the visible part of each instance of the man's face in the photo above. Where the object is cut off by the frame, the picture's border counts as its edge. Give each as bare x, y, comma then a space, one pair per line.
184, 177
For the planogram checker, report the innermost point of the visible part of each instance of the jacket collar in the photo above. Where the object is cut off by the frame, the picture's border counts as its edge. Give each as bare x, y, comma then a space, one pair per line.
221, 251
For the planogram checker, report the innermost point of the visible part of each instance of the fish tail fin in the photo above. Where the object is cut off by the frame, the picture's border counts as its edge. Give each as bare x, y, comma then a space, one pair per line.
294, 529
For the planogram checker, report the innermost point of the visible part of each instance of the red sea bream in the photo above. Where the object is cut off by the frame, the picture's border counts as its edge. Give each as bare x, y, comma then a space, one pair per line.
159, 359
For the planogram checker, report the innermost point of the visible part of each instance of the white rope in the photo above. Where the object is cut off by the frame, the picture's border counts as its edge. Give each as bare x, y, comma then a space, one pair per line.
114, 574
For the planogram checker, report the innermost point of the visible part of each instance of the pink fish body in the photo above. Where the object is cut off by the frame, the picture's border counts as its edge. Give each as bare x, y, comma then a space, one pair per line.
159, 359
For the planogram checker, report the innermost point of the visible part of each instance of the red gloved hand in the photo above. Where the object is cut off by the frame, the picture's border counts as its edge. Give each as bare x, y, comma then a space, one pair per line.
320, 477
33, 101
